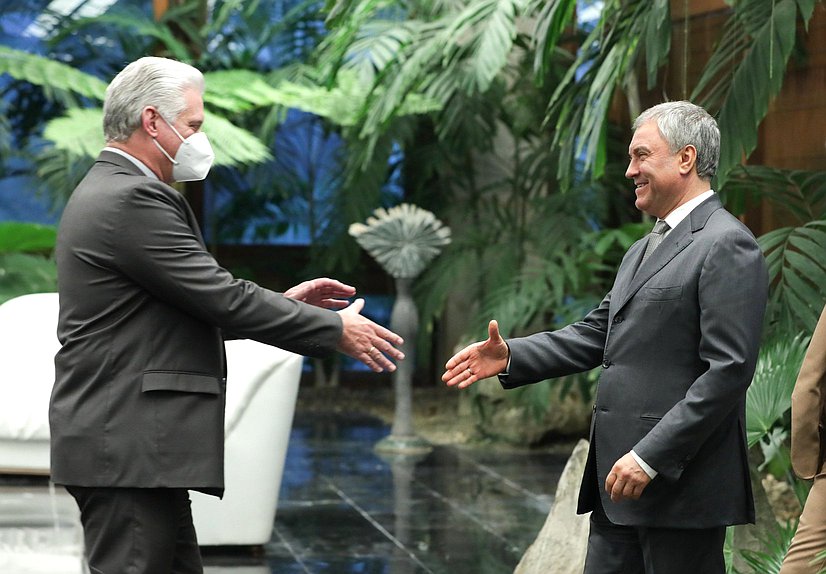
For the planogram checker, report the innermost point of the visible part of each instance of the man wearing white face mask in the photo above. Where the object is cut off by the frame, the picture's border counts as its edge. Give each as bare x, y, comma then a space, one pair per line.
137, 408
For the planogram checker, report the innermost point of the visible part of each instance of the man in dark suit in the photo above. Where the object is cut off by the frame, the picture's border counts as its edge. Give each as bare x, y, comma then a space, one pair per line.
677, 337
137, 409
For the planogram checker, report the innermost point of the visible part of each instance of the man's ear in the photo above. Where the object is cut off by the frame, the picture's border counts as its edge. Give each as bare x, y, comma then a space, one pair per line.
687, 159
149, 120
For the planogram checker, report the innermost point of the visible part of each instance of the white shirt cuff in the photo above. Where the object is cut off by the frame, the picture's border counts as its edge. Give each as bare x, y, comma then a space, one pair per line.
648, 470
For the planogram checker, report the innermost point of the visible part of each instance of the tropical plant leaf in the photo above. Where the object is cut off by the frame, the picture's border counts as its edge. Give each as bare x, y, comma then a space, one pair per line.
797, 269
769, 396
138, 25
19, 237
59, 171
606, 60
21, 273
757, 78
800, 193
774, 546
233, 145
239, 90
492, 24
59, 81
81, 132
552, 19
343, 103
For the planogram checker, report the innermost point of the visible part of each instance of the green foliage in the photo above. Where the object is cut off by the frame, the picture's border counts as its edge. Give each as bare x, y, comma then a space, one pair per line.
746, 72
60, 81
797, 270
342, 104
26, 238
606, 60
774, 547
770, 395
26, 265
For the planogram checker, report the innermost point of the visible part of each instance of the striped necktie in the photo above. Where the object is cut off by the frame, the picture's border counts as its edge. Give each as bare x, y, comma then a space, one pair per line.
654, 238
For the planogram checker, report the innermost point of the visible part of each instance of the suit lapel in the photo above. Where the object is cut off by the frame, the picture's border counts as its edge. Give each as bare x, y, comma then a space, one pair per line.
628, 282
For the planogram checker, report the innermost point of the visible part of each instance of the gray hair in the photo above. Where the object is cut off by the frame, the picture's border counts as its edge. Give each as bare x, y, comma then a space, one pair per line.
148, 81
683, 123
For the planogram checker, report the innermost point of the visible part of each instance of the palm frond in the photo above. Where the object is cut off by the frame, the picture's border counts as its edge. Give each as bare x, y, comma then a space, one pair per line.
58, 81
491, 26
18, 237
770, 395
138, 25
774, 545
377, 44
552, 19
81, 131
801, 193
763, 36
606, 60
797, 271
239, 90
343, 103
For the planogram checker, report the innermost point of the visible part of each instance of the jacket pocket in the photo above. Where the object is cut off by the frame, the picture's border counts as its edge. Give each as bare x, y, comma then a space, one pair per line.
180, 382
662, 293
186, 414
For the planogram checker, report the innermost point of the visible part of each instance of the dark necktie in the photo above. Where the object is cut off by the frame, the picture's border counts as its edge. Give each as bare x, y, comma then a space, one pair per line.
654, 238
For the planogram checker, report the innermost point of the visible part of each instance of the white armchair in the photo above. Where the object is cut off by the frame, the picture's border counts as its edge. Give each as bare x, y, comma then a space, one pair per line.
262, 386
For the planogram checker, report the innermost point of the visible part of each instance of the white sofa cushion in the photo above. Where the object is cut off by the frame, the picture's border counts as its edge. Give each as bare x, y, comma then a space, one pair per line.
28, 343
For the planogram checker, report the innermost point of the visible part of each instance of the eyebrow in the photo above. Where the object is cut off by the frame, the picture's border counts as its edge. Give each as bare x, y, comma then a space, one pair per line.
638, 149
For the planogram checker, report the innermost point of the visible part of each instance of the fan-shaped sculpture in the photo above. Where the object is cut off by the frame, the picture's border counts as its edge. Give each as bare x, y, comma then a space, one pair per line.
403, 240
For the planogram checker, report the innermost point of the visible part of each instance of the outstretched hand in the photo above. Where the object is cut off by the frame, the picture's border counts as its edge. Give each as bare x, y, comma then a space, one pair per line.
322, 292
478, 361
367, 341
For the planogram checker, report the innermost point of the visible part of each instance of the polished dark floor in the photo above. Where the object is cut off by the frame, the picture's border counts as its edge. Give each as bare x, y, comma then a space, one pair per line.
343, 509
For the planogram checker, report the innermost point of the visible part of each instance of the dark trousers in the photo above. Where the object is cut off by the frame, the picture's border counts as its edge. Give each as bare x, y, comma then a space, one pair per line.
138, 530
614, 549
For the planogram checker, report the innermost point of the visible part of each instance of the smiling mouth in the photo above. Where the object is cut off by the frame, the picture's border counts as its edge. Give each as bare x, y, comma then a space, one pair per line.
640, 184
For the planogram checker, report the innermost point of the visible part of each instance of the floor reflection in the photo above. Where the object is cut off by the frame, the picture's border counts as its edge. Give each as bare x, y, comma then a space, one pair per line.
343, 509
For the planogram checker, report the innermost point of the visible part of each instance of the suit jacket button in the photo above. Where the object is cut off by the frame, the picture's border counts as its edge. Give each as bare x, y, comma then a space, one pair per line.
618, 319
606, 363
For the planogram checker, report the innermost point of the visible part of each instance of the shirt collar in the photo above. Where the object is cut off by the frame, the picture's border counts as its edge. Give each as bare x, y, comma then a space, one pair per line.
675, 217
141, 166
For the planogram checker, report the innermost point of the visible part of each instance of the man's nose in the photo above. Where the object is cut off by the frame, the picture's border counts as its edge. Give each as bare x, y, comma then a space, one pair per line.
631, 170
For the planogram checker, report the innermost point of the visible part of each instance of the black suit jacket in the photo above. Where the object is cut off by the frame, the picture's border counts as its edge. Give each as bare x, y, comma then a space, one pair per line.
678, 341
139, 395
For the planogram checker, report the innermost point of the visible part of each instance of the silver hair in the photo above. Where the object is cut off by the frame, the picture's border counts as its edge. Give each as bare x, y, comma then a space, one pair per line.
149, 81
683, 123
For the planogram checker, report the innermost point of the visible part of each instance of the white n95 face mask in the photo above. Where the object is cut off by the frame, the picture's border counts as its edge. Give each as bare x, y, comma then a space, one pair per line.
193, 158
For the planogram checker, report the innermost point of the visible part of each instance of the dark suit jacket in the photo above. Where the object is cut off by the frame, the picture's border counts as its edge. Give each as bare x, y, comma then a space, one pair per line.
138, 399
678, 343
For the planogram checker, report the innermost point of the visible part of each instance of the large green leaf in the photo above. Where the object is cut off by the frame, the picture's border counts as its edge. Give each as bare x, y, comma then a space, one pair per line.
606, 60
21, 273
764, 34
800, 193
81, 132
19, 237
797, 272
492, 24
58, 80
343, 103
239, 90
553, 18
770, 393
